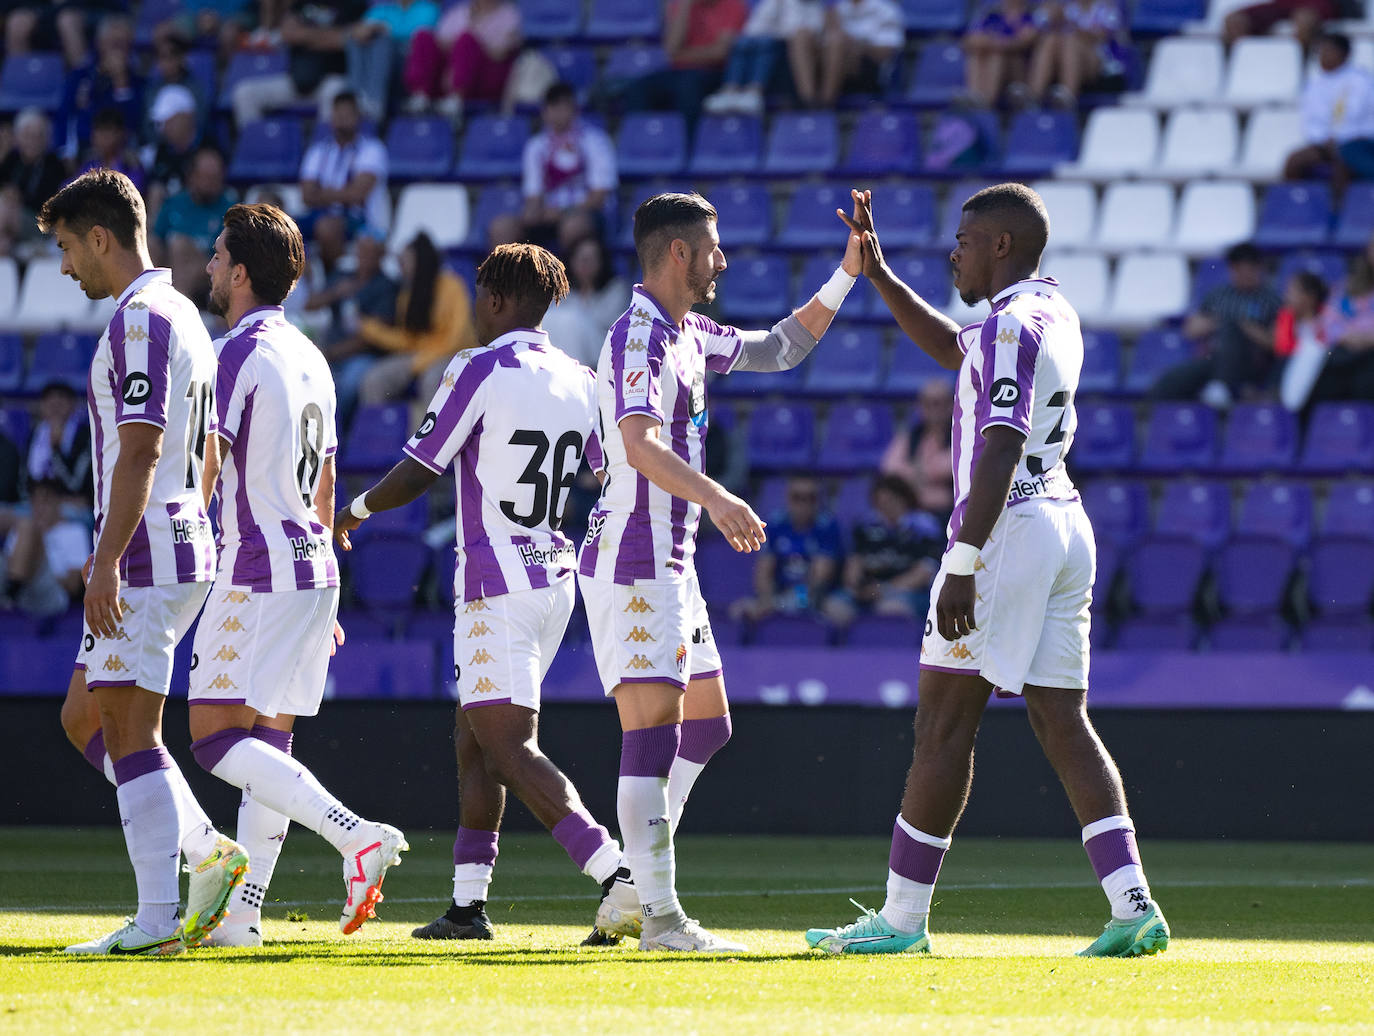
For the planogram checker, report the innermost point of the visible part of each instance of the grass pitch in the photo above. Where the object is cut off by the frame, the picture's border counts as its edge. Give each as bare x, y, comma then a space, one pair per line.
1267, 938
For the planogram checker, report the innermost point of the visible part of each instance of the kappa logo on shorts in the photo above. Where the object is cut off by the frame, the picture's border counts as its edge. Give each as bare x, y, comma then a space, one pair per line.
231, 625
137, 388
639, 606
124, 607
226, 654
120, 634
479, 629
485, 686
639, 635
960, 652
482, 657
478, 605
235, 597
115, 664
223, 683
639, 662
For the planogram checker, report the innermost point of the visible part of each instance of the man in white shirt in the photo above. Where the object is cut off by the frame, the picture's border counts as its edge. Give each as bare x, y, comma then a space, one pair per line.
1337, 110
343, 182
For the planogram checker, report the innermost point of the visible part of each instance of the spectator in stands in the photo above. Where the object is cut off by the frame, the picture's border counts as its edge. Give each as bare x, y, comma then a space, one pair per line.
109, 80
1347, 328
110, 147
60, 446
11, 480
697, 38
997, 47
579, 323
378, 45
189, 221
173, 72
1297, 338
1337, 119
774, 27
30, 174
920, 454
173, 116
1079, 42
330, 311
894, 554
797, 567
1307, 17
343, 182
41, 570
860, 38
468, 57
569, 179
54, 25
316, 36
218, 24
1235, 326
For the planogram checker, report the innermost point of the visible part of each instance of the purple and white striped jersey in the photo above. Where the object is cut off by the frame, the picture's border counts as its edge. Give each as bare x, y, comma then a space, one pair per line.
1021, 367
638, 532
515, 419
275, 404
154, 365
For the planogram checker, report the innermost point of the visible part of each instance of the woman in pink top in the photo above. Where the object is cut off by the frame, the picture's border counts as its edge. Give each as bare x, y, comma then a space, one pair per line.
467, 57
920, 454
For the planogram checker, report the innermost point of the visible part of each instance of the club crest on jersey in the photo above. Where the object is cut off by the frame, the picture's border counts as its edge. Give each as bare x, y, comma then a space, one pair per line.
1005, 392
426, 426
635, 382
137, 388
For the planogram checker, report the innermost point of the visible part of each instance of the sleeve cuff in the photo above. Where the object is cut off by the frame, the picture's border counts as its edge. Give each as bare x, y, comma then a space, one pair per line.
421, 460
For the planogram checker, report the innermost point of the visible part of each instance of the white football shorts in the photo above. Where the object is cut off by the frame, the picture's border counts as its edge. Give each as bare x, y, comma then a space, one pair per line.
140, 654
1034, 579
650, 632
503, 645
269, 651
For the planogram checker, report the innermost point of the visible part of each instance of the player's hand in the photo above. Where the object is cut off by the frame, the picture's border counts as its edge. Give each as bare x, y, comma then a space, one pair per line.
345, 521
737, 522
339, 639
103, 613
954, 609
861, 224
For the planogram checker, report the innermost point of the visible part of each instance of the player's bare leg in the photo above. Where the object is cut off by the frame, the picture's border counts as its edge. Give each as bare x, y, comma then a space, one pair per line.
81, 724
1059, 718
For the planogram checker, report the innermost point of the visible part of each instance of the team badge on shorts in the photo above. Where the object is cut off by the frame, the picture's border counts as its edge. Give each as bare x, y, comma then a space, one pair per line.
681, 658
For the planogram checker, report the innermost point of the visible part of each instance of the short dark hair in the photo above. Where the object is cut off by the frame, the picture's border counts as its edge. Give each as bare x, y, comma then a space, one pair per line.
1336, 39
531, 277
560, 91
1311, 283
665, 217
101, 198
109, 118
344, 97
1022, 213
898, 487
268, 244
1244, 252
57, 388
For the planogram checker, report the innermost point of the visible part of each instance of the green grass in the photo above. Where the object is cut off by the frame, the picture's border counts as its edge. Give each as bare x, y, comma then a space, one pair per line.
1267, 938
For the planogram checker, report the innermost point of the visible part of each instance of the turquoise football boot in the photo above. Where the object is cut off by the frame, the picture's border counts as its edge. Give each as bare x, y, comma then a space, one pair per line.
1135, 937
869, 934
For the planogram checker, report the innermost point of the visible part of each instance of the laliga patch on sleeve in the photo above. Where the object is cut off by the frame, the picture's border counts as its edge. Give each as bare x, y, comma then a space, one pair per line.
634, 383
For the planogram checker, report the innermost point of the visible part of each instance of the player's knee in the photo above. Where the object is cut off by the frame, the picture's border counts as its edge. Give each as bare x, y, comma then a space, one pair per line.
508, 763
209, 750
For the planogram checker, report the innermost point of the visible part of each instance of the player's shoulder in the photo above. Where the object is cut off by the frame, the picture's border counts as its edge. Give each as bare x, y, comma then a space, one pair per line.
704, 324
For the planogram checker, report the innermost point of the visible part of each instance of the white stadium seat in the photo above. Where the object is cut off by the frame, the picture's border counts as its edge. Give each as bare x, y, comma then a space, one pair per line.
9, 290
1148, 287
48, 299
1083, 278
1183, 70
1135, 215
1271, 135
1264, 70
439, 209
1116, 142
1073, 211
1214, 215
1198, 141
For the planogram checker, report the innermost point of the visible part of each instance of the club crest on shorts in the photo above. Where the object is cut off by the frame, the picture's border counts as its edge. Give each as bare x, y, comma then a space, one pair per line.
681, 658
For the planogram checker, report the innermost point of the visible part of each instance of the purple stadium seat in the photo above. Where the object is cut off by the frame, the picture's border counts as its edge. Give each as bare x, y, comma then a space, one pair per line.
1200, 511
908, 216
249, 65
268, 151
421, 148
755, 288
1259, 437
746, 214
1278, 509
856, 434
367, 626
1294, 215
11, 362
575, 66
1101, 362
375, 439
623, 20
1342, 633
1350, 510
801, 143
727, 145
1340, 579
929, 16
885, 631
792, 631
1252, 573
435, 626
926, 273
651, 144
908, 368
1038, 141
1249, 633
962, 141
1179, 437
937, 77
1340, 439
883, 143
493, 146
63, 356
550, 20
386, 571
1355, 222
632, 60
1166, 17
640, 193
851, 362
1164, 572
1119, 509
492, 202
1156, 633
771, 498
726, 631
32, 81
1156, 351
1326, 263
397, 669
151, 13
1105, 439
725, 577
15, 423
408, 520
863, 297
782, 437
849, 503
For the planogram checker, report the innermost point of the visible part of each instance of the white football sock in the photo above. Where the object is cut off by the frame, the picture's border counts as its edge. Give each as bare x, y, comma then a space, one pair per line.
148, 810
913, 865
604, 862
197, 836
642, 807
471, 881
262, 831
277, 781
681, 777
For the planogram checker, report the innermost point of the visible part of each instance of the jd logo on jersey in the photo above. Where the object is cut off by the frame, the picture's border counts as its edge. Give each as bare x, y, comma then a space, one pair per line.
426, 426
137, 389
1005, 392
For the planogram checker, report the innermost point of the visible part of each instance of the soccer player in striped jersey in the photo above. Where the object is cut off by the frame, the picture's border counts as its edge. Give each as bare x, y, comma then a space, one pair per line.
1010, 605
149, 393
262, 648
650, 630
514, 418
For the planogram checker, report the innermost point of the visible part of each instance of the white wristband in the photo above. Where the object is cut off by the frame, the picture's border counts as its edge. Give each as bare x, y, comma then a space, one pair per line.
961, 559
357, 508
833, 291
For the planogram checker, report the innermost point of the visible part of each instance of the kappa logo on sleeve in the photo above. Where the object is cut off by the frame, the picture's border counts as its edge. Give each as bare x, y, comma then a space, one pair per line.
137, 388
1005, 392
635, 382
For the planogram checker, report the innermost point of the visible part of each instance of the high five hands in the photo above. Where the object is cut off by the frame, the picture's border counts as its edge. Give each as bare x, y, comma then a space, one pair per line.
863, 239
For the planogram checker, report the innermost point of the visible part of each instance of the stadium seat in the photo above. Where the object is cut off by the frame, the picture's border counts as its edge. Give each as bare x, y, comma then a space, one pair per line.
575, 66
268, 150
639, 193
1281, 510
435, 626
852, 361
550, 19
48, 298
407, 520
792, 631
782, 437
9, 286
1263, 70
745, 214
1156, 633
1163, 573
849, 503
932, 16
926, 273
937, 75
801, 143
632, 60
1341, 633
11, 366
723, 579
1084, 280
63, 356
1039, 141
386, 571
1328, 264
420, 148
1271, 135
727, 145
1101, 371
1165, 17
439, 209
1207, 275
908, 215
1350, 510
862, 301
1252, 573
611, 20
1198, 142
249, 64
770, 501
908, 368
1135, 215
366, 626
493, 146
395, 670
1104, 440
651, 144
1355, 222
1199, 511
15, 422
1340, 439
1183, 70
885, 631
1259, 437
951, 211
33, 80
883, 143
1249, 633
856, 434
1156, 351
1213, 215
1294, 215
1179, 437
1073, 211
375, 438
962, 140
491, 202
755, 288
810, 221
1119, 509
1148, 287
1340, 575
1117, 142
